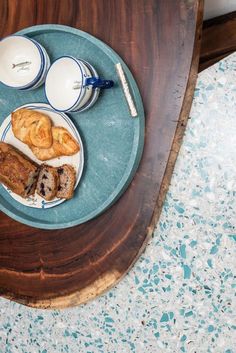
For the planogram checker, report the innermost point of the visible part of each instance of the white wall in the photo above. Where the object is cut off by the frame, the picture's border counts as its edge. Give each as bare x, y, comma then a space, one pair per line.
213, 8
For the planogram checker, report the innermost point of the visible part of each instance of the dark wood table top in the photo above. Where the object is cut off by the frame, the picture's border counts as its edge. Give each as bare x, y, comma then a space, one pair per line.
218, 39
159, 41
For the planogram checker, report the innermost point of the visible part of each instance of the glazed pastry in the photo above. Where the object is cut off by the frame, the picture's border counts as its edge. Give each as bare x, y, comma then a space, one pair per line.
67, 178
48, 181
17, 172
63, 145
32, 128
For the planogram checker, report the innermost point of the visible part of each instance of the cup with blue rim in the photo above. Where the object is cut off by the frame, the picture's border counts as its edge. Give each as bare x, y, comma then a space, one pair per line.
73, 84
23, 62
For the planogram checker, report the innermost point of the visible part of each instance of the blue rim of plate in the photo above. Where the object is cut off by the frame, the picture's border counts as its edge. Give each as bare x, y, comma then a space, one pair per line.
76, 133
138, 141
95, 92
42, 77
90, 103
82, 90
34, 81
74, 108
42, 69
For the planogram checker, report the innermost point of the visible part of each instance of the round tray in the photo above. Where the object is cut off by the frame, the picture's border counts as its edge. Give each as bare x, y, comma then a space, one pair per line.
113, 140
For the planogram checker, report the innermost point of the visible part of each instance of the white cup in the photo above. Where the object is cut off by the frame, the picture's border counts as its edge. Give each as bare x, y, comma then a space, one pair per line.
23, 62
73, 84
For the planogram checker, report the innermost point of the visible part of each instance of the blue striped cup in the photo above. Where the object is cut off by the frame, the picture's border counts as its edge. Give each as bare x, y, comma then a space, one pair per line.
23, 63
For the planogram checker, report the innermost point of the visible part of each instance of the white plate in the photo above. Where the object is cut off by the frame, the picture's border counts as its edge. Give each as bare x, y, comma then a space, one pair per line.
77, 160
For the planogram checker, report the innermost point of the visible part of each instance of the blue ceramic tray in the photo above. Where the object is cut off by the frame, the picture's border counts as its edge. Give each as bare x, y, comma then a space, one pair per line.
113, 140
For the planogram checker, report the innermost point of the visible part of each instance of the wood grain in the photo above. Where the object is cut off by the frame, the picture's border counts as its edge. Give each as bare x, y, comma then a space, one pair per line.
159, 40
218, 39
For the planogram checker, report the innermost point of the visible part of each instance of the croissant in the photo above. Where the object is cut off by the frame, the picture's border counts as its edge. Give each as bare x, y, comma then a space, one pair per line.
63, 145
32, 128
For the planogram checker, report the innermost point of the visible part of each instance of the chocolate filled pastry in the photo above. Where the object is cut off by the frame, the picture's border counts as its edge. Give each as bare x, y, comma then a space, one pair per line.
17, 171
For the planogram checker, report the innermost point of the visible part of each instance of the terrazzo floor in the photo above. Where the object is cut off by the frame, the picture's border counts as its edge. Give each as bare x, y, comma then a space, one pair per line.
180, 295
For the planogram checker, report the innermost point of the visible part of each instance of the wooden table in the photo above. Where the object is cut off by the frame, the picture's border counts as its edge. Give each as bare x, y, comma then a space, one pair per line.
218, 39
159, 40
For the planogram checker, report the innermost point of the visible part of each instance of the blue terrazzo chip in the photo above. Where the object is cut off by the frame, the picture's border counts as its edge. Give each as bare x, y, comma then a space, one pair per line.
180, 295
